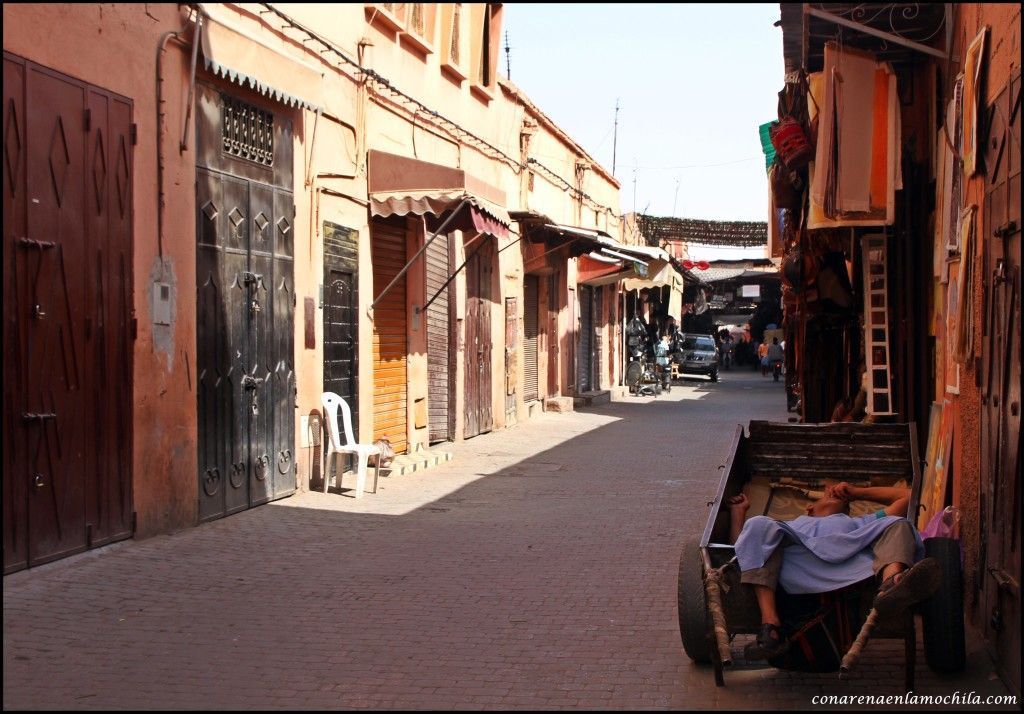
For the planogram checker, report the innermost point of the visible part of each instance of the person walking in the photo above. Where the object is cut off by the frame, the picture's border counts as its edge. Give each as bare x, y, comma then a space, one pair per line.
775, 356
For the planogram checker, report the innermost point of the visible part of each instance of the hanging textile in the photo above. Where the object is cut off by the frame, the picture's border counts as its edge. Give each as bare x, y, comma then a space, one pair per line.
856, 169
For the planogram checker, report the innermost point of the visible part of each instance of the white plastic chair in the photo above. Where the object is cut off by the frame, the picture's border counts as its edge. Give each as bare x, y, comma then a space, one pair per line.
363, 452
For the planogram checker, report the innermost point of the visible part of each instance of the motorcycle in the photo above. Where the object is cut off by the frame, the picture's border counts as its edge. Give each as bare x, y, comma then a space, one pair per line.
776, 369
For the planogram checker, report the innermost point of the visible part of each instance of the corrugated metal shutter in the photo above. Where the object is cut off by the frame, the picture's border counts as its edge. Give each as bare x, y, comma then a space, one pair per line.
583, 364
438, 340
530, 290
390, 377
599, 333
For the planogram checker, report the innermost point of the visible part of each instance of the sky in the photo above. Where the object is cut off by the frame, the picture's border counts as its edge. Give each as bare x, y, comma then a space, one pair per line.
693, 83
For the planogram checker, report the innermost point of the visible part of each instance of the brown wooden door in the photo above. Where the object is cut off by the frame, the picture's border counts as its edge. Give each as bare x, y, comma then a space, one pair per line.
390, 337
554, 304
530, 338
67, 317
478, 403
439, 341
1000, 517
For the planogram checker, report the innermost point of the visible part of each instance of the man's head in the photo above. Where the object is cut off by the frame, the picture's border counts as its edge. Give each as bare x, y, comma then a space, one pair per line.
827, 505
775, 340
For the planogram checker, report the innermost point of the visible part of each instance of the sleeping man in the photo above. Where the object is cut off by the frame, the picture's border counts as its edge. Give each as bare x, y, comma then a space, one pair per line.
827, 549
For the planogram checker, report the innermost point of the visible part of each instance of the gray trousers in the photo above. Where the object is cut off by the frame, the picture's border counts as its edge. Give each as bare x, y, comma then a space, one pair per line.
895, 545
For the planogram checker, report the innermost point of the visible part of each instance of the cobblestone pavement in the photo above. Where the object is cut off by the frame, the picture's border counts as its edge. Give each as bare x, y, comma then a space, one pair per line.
535, 570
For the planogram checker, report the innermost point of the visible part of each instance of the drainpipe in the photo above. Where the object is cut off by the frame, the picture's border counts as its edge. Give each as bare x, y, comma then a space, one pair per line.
177, 35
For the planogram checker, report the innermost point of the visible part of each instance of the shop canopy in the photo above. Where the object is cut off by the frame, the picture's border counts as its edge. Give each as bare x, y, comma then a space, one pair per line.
399, 186
229, 51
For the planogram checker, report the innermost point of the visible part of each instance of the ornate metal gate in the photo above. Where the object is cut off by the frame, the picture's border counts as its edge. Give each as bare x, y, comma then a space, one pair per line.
245, 304
341, 324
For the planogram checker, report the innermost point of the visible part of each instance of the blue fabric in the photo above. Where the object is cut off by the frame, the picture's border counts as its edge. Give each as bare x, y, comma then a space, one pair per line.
826, 553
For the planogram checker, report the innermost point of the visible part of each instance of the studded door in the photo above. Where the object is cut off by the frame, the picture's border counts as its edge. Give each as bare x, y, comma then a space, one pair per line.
999, 524
67, 318
245, 304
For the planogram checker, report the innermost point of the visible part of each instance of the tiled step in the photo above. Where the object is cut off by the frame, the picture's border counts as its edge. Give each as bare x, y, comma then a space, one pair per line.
419, 460
592, 399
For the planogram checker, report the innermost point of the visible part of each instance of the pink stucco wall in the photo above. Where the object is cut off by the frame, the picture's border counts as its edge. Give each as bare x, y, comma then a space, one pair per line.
114, 46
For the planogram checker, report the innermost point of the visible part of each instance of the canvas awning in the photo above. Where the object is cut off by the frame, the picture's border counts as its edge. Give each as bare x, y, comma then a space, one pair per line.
240, 57
399, 186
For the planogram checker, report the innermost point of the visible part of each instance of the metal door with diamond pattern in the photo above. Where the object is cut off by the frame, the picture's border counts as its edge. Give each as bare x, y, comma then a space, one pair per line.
245, 303
67, 318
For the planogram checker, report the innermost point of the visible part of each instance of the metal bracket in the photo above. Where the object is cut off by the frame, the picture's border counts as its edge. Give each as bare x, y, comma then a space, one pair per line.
30, 416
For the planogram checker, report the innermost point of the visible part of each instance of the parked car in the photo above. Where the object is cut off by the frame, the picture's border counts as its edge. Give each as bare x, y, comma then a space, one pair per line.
698, 354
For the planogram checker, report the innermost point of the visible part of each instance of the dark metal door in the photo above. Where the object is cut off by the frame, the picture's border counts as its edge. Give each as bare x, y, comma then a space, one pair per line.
585, 345
438, 340
245, 305
67, 318
478, 406
341, 325
598, 349
1000, 517
530, 338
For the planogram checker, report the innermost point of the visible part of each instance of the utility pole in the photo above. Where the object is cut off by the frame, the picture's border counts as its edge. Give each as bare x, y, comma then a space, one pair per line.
615, 135
508, 59
635, 168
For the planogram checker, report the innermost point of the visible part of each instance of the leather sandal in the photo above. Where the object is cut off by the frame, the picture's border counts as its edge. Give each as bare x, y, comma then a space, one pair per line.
908, 587
770, 643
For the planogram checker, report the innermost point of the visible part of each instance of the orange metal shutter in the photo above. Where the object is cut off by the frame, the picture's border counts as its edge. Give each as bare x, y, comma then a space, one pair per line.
390, 393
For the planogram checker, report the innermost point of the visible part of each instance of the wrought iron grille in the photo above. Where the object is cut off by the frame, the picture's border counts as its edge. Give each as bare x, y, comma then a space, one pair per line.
247, 131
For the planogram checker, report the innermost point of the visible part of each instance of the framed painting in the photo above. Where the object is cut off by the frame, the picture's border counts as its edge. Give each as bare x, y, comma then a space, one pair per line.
952, 304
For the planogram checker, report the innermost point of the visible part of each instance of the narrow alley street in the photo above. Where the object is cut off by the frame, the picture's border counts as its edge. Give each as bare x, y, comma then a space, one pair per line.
537, 569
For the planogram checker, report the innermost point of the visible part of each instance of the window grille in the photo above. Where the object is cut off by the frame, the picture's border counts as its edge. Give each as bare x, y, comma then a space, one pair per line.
247, 131
456, 22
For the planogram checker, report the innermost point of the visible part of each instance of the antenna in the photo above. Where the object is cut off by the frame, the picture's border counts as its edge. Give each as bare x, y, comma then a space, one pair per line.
676, 199
508, 58
615, 136
635, 167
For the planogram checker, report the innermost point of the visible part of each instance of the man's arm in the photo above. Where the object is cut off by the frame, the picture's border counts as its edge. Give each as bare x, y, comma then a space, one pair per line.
895, 498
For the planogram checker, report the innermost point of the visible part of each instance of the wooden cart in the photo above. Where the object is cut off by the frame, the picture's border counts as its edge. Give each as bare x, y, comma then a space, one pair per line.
780, 467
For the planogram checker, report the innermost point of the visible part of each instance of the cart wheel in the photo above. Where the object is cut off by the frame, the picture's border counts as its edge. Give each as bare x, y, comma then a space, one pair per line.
943, 613
694, 623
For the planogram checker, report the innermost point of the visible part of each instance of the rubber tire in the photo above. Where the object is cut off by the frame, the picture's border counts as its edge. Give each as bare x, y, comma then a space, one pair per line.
694, 621
942, 614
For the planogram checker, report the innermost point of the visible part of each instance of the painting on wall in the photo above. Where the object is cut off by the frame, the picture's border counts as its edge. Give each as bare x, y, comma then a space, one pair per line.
943, 460
971, 99
930, 457
952, 304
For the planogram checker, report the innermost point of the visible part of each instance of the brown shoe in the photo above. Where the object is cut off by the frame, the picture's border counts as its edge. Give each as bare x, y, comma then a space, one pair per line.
900, 591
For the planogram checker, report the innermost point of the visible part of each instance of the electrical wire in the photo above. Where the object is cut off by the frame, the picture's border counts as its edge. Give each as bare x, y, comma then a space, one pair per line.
383, 84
